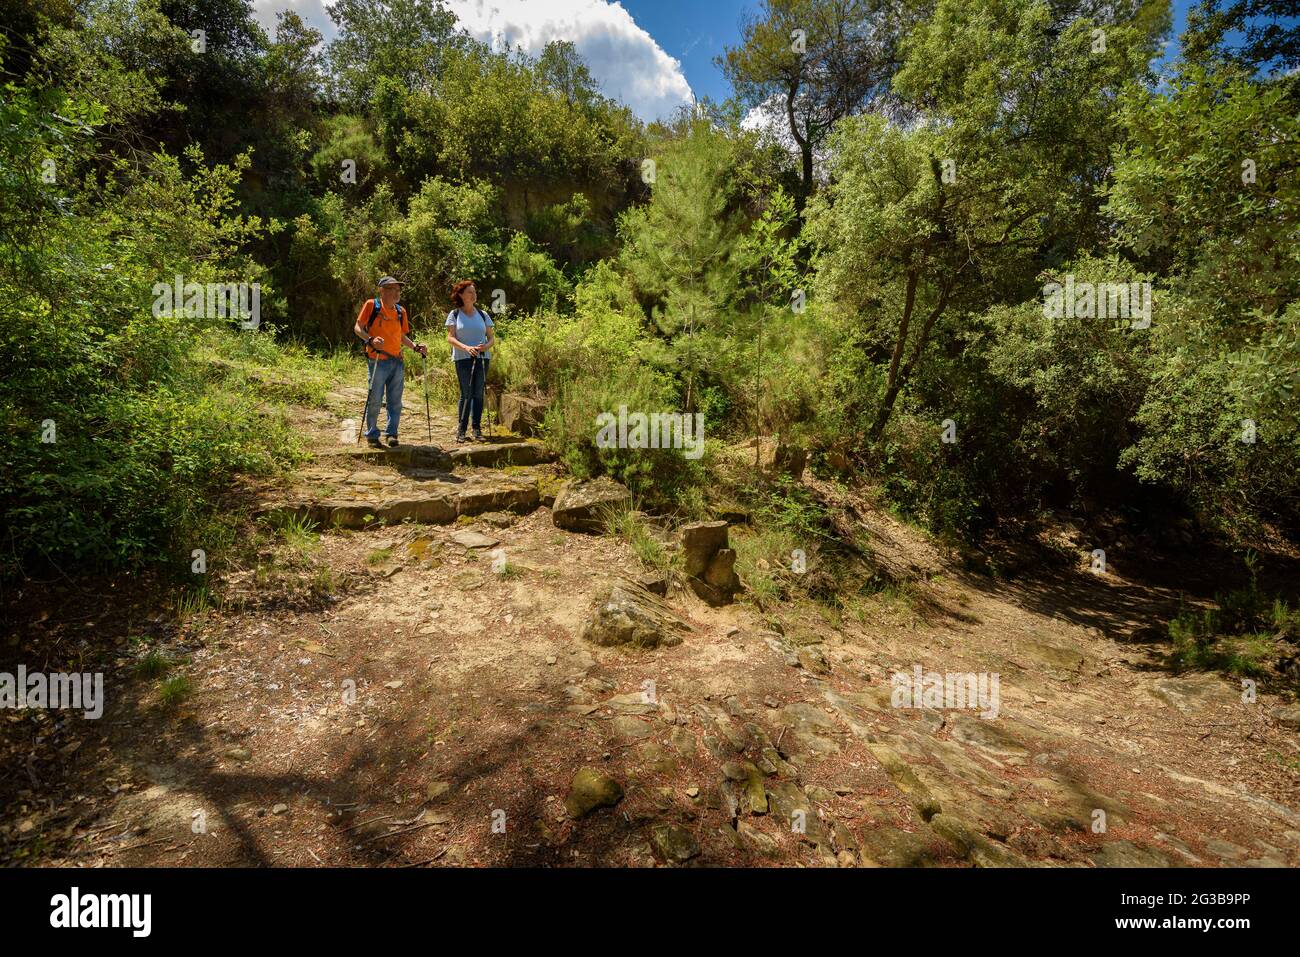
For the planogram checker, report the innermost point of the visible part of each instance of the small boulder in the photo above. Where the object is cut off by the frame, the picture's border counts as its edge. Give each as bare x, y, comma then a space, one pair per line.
674, 843
628, 614
471, 539
813, 660
721, 572
582, 506
1288, 717
522, 414
720, 582
590, 790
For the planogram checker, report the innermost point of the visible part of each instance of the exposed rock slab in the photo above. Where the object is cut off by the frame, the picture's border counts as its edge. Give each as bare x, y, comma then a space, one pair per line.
629, 615
522, 414
1196, 694
498, 454
583, 506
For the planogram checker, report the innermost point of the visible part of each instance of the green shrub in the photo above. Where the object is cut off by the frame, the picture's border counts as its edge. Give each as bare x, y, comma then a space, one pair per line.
660, 477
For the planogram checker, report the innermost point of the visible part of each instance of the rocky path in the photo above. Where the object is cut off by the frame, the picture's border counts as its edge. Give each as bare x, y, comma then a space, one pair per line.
455, 705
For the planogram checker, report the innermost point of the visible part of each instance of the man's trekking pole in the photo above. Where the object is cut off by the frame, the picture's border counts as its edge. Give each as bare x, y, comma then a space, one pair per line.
428, 422
370, 379
370, 376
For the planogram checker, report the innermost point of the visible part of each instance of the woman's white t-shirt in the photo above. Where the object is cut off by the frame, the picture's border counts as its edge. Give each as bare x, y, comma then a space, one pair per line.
471, 330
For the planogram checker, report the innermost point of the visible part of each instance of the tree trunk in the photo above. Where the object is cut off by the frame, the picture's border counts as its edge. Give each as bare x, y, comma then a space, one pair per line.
898, 378
892, 381
805, 149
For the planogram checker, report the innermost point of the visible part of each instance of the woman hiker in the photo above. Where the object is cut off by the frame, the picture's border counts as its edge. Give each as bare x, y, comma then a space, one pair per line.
469, 330
384, 326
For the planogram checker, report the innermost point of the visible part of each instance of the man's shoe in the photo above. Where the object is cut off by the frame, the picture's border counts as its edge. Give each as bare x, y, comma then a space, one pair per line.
478, 436
392, 442
460, 437
373, 442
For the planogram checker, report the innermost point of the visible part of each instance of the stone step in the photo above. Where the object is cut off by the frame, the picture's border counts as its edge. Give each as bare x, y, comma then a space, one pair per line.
498, 454
432, 502
404, 456
487, 455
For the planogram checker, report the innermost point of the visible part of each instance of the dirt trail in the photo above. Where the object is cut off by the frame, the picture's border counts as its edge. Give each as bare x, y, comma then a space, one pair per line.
437, 709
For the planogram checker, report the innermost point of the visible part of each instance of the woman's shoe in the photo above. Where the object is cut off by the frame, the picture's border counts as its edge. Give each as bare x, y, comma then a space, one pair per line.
460, 437
478, 436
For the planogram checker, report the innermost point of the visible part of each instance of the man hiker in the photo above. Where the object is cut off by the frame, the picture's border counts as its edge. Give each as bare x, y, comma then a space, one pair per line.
384, 326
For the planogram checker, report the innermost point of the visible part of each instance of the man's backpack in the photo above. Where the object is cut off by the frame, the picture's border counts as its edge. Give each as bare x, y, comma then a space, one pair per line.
377, 309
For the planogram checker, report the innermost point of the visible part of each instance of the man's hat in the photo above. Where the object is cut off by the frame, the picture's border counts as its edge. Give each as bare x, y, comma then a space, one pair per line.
388, 281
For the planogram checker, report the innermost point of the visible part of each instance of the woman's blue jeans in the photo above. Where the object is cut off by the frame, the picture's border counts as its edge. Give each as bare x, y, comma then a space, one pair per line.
472, 376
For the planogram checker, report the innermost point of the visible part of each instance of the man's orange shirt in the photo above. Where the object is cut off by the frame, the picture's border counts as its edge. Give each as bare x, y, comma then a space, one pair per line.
386, 326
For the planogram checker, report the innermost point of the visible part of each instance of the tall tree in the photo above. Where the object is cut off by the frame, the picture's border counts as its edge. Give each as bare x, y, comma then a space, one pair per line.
681, 248
1257, 34
958, 210
814, 62
403, 39
563, 70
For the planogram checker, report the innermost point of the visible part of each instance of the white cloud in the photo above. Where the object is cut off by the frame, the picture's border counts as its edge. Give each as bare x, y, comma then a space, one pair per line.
312, 12
623, 58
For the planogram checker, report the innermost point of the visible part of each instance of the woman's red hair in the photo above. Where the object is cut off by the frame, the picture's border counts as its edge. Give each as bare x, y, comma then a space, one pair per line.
459, 288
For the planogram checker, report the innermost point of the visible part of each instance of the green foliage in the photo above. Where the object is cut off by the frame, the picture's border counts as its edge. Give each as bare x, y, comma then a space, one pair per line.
1206, 188
497, 117
848, 55
681, 247
538, 352
660, 477
1243, 633
114, 439
1015, 150
345, 138
630, 526
153, 665
175, 690
405, 40
447, 236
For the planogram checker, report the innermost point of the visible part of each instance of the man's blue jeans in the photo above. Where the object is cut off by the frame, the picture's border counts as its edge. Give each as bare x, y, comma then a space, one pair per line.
472, 376
386, 380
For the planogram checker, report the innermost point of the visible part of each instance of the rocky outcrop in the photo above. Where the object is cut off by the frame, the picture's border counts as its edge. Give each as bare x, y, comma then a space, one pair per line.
630, 615
778, 458
710, 563
355, 501
583, 506
522, 414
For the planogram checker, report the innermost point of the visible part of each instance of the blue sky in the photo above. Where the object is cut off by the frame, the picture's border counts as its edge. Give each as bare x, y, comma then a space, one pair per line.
694, 33
650, 54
